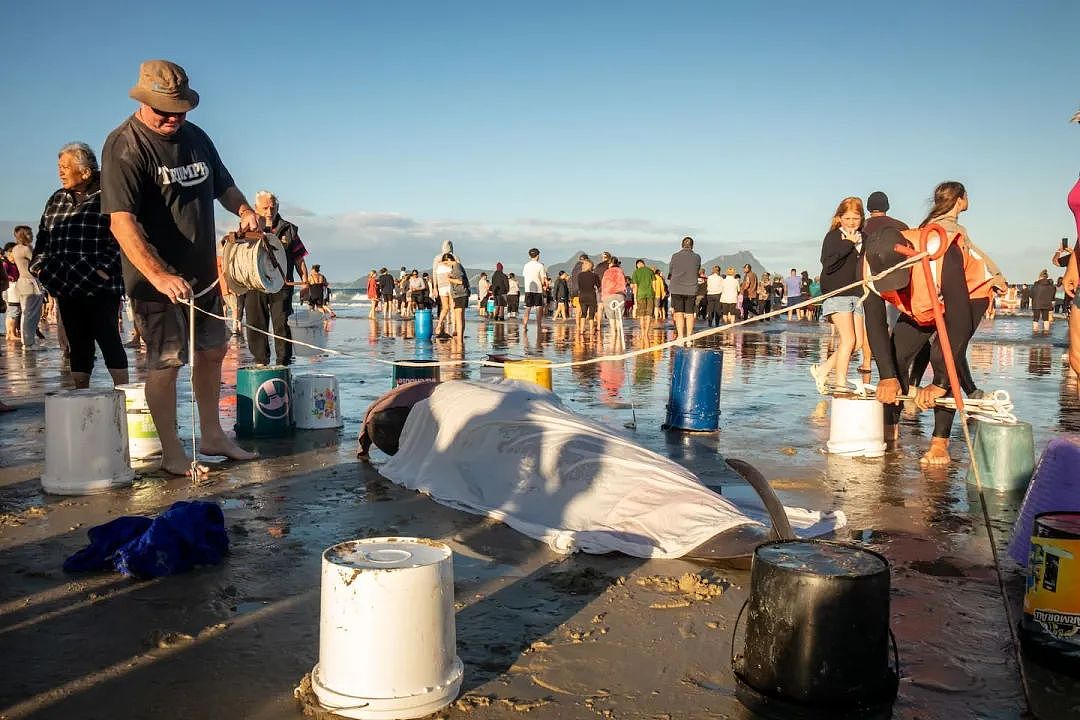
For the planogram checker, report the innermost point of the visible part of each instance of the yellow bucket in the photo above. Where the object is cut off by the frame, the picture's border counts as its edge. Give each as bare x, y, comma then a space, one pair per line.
533, 370
1052, 600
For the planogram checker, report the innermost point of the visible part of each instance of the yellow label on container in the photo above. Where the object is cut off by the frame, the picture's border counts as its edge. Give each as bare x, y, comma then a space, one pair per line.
1053, 586
141, 425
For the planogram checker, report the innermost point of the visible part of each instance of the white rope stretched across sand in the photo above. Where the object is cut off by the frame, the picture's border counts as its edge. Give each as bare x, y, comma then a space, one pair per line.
683, 341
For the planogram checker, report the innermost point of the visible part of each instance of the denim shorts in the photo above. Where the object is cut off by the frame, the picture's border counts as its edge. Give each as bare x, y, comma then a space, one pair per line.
842, 304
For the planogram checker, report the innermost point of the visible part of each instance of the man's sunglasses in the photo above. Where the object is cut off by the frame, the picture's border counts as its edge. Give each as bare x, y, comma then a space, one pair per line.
165, 113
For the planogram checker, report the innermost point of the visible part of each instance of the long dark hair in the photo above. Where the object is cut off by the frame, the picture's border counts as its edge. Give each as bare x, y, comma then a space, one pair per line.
945, 196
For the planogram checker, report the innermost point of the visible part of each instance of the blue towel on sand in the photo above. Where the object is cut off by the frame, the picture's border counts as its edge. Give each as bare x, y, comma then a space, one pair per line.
185, 535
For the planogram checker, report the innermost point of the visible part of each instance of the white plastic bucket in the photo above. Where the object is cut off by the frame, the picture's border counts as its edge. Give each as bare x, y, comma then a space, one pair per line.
86, 443
316, 402
387, 640
143, 440
307, 327
857, 427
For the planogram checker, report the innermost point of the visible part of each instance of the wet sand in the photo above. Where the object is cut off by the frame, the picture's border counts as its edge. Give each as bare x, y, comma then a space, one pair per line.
541, 635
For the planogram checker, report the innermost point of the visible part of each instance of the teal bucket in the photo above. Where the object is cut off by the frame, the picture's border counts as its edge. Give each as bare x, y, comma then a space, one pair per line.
263, 401
1005, 454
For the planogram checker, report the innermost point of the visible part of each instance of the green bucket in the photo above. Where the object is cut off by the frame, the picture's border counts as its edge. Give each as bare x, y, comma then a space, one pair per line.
1005, 454
428, 370
263, 401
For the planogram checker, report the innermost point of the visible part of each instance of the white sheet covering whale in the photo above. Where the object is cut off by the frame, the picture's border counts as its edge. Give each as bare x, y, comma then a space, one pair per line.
512, 451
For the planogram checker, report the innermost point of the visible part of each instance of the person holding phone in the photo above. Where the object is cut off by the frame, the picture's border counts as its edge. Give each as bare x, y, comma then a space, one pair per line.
1062, 254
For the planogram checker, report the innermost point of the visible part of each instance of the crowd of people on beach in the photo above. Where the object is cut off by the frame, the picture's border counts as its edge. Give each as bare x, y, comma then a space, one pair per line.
139, 231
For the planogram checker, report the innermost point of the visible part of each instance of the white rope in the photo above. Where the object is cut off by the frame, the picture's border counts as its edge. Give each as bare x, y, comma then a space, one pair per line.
996, 407
678, 342
191, 375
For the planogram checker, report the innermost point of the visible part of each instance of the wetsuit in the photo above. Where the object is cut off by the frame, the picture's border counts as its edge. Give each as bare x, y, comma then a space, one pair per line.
894, 356
317, 292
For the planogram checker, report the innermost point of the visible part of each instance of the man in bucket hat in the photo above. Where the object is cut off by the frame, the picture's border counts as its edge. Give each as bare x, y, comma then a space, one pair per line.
160, 176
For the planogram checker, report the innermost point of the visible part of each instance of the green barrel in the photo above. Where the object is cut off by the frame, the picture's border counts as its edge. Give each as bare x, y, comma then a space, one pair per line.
427, 370
1005, 454
263, 401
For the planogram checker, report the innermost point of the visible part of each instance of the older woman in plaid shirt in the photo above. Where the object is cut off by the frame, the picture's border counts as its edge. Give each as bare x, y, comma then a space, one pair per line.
79, 264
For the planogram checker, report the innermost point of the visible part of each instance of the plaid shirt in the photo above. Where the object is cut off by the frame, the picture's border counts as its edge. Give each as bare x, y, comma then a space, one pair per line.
76, 241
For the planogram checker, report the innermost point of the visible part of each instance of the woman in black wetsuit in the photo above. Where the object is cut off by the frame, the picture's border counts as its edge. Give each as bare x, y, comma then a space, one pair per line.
319, 291
965, 295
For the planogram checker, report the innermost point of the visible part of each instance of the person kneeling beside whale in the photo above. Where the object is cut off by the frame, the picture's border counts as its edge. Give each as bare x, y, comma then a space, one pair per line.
512, 451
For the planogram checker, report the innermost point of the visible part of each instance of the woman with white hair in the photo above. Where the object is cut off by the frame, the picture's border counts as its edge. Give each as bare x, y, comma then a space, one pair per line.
79, 264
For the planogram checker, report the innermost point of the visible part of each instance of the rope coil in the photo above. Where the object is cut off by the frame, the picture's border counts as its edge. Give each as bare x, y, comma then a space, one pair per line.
252, 261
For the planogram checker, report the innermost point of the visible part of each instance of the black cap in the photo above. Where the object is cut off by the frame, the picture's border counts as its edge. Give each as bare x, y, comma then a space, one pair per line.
877, 202
881, 254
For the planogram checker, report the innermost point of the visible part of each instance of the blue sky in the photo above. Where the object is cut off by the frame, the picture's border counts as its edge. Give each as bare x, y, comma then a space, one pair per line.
387, 127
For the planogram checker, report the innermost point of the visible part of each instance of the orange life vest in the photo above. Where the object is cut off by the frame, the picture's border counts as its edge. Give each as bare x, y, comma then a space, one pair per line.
916, 300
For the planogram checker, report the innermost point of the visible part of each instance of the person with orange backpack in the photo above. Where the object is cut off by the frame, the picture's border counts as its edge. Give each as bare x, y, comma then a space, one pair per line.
964, 277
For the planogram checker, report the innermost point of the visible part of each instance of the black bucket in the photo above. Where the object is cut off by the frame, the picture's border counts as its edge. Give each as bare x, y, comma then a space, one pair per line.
416, 370
817, 633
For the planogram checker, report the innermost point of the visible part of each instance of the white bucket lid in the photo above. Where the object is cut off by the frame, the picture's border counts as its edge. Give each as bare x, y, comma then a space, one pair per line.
387, 553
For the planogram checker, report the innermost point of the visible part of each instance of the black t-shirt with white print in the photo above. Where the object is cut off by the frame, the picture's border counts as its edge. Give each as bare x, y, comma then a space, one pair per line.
169, 184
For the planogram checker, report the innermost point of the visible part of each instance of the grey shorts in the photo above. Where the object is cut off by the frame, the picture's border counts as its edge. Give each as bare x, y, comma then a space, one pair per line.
841, 304
164, 329
613, 306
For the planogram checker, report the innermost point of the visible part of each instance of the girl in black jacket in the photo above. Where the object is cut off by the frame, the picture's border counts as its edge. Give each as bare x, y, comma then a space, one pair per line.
840, 267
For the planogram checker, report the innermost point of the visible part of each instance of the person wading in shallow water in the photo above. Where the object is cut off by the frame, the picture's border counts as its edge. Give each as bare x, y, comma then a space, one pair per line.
160, 176
271, 311
683, 286
319, 291
80, 266
964, 280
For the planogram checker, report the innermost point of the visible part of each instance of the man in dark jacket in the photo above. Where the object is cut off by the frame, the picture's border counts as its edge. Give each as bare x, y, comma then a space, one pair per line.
1042, 302
500, 285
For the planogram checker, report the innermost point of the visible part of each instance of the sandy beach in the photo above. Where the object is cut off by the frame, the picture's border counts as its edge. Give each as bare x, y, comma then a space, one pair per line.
541, 635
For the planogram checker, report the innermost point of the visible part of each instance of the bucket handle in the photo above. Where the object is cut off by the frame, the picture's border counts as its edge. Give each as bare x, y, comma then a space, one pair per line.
895, 653
735, 629
738, 619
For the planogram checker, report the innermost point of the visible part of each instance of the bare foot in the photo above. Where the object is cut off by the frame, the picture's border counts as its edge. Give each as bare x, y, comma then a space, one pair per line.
181, 467
938, 454
225, 446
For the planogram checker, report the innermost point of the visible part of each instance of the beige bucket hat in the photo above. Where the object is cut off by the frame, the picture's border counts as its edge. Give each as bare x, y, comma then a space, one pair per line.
163, 85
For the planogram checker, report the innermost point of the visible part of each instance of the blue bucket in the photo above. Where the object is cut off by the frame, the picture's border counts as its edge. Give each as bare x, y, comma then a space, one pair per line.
694, 397
491, 305
422, 324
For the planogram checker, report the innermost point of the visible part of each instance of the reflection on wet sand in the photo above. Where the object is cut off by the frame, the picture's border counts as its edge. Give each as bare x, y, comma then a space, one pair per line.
947, 615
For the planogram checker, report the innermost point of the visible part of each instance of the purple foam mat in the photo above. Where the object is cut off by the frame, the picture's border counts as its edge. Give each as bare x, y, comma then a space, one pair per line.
1055, 486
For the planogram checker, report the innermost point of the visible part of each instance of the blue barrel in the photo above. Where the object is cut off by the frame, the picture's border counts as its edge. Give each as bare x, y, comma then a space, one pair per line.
422, 324
263, 401
694, 397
